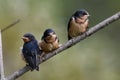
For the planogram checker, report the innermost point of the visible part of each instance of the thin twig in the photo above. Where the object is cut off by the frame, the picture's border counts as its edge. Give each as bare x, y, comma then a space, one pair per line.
9, 26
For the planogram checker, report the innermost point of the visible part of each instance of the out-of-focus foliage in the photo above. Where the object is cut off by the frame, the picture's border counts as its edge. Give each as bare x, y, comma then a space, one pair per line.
96, 58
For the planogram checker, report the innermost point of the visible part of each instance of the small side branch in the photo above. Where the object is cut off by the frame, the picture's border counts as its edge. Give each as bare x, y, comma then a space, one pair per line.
11, 25
69, 44
2, 77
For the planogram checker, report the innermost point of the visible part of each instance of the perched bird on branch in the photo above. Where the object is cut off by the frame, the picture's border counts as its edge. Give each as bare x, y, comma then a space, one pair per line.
30, 51
49, 41
78, 23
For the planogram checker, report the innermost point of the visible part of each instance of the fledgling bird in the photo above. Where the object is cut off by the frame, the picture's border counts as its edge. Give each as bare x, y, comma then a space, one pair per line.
49, 41
30, 51
78, 23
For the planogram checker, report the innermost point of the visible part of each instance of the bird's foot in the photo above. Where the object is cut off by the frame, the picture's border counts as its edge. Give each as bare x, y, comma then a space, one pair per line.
42, 58
27, 64
31, 70
37, 68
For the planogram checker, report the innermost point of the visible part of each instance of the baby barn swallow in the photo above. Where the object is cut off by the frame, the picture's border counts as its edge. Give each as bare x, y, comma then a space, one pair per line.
49, 41
78, 23
30, 51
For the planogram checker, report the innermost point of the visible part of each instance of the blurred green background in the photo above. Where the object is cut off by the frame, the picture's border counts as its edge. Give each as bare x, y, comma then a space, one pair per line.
95, 58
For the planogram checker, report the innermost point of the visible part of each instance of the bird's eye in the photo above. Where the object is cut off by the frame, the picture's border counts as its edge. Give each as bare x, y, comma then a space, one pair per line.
53, 32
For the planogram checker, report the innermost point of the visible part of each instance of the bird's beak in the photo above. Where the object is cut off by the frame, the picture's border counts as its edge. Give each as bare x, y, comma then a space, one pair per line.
23, 38
88, 15
50, 34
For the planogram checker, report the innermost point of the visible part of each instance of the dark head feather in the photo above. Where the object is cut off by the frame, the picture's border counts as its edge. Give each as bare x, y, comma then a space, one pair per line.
80, 13
47, 32
30, 36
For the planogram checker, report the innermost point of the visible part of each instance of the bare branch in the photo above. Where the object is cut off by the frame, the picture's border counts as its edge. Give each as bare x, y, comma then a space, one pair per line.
18, 73
70, 43
11, 25
1, 55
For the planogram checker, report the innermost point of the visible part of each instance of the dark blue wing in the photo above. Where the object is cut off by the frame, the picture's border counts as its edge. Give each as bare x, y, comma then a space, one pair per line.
69, 27
30, 51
